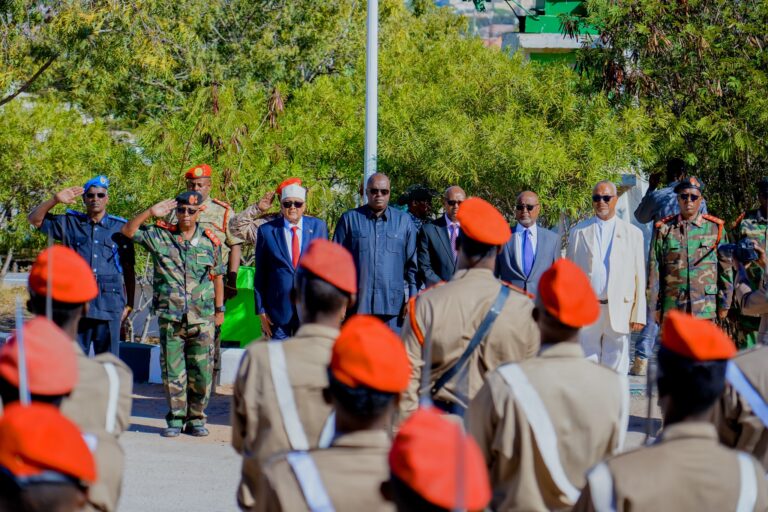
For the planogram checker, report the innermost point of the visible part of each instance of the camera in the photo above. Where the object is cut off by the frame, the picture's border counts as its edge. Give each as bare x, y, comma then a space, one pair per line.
743, 251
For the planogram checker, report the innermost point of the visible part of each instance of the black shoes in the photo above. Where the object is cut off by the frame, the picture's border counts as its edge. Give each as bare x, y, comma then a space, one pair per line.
171, 432
196, 430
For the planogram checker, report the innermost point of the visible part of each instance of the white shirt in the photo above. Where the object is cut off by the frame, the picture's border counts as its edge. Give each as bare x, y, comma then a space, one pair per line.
518, 241
289, 235
601, 266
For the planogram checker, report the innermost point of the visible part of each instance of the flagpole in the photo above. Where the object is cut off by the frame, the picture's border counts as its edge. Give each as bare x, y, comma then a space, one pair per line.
371, 89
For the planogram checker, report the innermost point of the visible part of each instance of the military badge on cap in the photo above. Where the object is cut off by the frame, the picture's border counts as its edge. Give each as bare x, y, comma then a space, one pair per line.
189, 197
689, 182
198, 171
100, 181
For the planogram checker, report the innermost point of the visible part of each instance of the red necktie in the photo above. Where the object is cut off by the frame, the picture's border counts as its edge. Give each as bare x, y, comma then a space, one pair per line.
295, 246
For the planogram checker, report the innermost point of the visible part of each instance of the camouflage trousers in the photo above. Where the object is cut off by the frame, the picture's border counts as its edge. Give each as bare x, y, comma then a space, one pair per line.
186, 363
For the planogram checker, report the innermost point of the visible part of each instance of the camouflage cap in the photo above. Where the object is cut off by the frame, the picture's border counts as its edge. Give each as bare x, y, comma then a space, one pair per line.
689, 182
189, 197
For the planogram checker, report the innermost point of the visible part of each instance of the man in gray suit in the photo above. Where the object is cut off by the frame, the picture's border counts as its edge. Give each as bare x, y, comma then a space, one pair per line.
436, 242
531, 250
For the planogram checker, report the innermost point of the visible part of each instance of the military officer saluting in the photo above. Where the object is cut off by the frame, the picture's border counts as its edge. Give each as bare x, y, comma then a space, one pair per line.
471, 324
687, 468
95, 235
189, 302
687, 273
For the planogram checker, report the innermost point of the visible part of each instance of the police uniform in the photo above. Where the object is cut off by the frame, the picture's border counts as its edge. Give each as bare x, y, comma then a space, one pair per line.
752, 225
108, 252
542, 423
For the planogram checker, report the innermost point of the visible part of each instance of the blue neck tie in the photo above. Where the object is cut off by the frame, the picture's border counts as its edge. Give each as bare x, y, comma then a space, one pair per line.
527, 252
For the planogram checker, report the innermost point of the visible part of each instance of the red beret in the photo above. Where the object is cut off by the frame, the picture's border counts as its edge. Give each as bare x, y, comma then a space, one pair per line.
566, 293
426, 454
694, 338
331, 262
37, 438
50, 355
368, 353
72, 279
480, 221
198, 171
289, 181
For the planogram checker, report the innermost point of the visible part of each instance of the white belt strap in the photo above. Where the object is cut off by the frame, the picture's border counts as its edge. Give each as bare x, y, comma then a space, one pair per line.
296, 436
624, 413
329, 431
541, 427
748, 485
601, 488
310, 482
114, 395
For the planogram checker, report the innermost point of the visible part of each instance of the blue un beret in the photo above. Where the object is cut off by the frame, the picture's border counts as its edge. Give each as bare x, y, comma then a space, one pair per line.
100, 181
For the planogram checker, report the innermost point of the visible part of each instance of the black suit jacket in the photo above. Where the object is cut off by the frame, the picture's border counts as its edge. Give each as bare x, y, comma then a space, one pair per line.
434, 253
548, 249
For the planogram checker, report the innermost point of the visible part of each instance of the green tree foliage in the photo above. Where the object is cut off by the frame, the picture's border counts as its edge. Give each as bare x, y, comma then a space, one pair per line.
698, 68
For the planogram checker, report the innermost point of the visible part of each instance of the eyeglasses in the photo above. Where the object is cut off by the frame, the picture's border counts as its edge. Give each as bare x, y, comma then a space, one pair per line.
295, 204
529, 207
91, 195
453, 202
378, 191
692, 197
184, 209
597, 198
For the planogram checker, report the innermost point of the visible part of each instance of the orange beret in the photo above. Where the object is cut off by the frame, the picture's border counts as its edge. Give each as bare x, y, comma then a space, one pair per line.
694, 338
289, 181
426, 454
37, 438
331, 262
198, 171
566, 293
50, 356
72, 279
482, 222
368, 353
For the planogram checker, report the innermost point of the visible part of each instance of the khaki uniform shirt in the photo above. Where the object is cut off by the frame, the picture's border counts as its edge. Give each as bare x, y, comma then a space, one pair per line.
447, 316
89, 406
215, 216
687, 469
258, 431
587, 428
737, 425
352, 471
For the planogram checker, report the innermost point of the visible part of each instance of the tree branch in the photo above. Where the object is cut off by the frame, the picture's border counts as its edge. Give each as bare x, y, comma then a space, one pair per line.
30, 81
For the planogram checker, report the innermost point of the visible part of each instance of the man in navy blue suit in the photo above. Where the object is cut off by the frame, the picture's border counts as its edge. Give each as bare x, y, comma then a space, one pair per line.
279, 245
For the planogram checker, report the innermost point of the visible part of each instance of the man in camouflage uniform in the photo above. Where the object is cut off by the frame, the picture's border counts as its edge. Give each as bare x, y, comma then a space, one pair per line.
687, 272
188, 288
215, 215
752, 224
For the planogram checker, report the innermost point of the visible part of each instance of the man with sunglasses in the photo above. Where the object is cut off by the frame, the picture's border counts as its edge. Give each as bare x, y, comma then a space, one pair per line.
687, 271
279, 245
382, 241
95, 235
531, 250
188, 295
436, 241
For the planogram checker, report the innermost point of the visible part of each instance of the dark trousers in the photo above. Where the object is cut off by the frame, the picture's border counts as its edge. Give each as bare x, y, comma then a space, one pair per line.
104, 334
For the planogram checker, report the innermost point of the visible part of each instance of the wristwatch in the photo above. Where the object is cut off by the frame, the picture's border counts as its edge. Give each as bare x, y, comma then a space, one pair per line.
221, 309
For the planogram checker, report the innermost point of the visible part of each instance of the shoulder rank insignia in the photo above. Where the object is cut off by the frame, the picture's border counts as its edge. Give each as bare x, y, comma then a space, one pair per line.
170, 227
663, 221
119, 219
738, 220
517, 289
75, 213
412, 312
712, 218
213, 237
220, 203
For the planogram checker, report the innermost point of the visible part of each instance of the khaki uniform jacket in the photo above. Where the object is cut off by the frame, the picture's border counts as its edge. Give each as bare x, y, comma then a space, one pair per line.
587, 405
352, 470
447, 316
258, 431
737, 425
687, 469
101, 407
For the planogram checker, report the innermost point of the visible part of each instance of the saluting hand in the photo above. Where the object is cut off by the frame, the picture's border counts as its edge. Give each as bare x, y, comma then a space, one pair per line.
69, 195
163, 208
265, 203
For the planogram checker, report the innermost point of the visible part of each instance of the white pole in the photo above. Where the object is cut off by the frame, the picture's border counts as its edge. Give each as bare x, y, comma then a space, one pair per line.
371, 89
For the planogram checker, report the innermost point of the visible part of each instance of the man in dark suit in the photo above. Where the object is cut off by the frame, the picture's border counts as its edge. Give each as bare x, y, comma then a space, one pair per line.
531, 250
436, 241
279, 245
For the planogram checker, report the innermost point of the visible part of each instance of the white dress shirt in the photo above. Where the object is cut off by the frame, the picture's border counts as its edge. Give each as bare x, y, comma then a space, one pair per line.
601, 266
289, 235
518, 240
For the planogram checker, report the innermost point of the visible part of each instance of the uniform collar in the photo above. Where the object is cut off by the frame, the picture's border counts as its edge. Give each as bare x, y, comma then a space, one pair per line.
689, 430
698, 220
474, 272
364, 439
562, 349
316, 331
370, 215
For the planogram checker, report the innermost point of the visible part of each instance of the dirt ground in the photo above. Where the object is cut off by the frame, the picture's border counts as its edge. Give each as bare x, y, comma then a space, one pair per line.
8, 297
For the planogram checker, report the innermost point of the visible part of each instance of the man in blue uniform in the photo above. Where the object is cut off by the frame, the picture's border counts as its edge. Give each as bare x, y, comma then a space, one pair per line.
95, 235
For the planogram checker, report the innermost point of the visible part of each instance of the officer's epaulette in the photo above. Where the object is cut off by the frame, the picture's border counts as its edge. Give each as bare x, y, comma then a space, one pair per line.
738, 220
75, 213
220, 203
213, 237
714, 219
165, 225
517, 289
119, 219
412, 312
663, 221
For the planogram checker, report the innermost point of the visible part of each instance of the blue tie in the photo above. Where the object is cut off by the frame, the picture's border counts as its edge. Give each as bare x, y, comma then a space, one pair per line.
527, 252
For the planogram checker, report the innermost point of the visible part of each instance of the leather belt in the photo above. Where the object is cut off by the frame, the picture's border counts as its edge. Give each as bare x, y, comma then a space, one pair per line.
605, 301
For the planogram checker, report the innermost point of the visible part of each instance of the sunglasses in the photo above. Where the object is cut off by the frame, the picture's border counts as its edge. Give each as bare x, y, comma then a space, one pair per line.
453, 202
529, 207
692, 197
91, 195
184, 209
597, 198
378, 191
295, 204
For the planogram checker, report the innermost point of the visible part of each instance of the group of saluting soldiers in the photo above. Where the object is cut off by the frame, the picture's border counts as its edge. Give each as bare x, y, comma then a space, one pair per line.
486, 398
